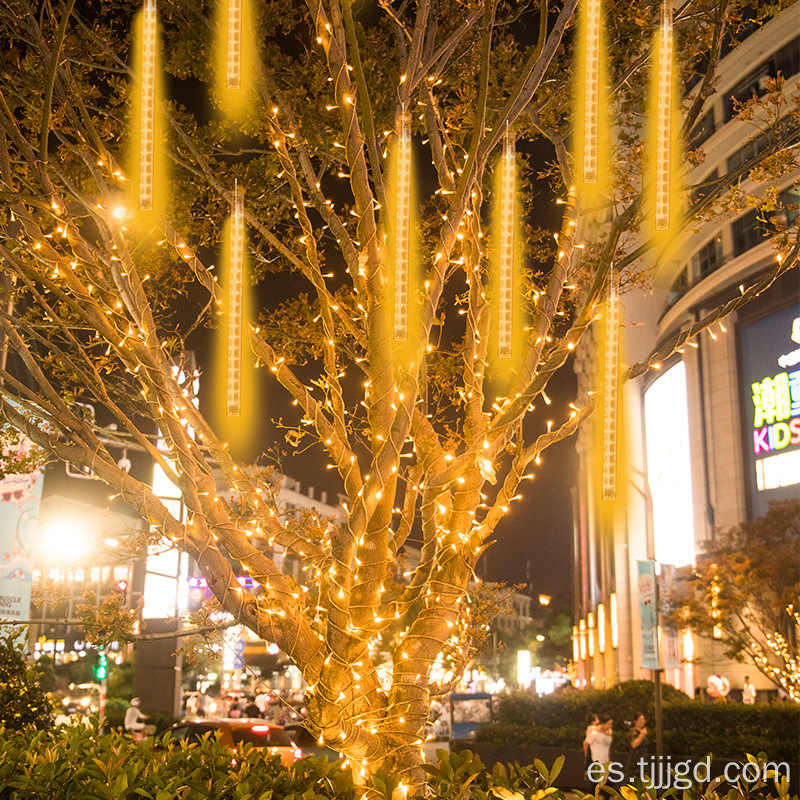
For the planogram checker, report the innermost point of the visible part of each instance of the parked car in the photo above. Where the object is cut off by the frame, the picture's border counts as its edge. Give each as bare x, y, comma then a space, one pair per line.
235, 733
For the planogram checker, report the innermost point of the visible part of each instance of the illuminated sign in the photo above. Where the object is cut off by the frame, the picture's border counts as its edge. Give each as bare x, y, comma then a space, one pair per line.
770, 382
666, 416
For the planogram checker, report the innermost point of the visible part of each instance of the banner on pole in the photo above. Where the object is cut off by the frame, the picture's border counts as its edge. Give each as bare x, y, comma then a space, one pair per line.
648, 612
670, 654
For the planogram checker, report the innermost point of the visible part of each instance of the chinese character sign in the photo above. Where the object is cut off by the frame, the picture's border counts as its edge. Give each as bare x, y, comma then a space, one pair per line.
770, 374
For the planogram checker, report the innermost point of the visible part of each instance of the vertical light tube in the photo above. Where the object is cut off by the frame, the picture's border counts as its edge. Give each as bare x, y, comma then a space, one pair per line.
505, 314
611, 370
591, 110
235, 300
147, 134
402, 227
234, 50
664, 116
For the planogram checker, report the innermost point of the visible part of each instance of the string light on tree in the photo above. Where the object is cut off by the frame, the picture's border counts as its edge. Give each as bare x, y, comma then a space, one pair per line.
664, 116
235, 301
402, 233
610, 395
147, 133
506, 247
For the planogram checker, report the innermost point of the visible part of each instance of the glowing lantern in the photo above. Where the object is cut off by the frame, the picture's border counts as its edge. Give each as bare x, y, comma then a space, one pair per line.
591, 109
402, 228
611, 389
148, 108
506, 248
664, 116
234, 60
235, 300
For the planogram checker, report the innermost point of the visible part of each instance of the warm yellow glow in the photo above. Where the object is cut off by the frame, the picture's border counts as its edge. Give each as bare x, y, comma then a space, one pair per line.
234, 49
601, 628
235, 300
544, 599
576, 643
402, 232
506, 248
664, 117
614, 614
582, 637
591, 122
147, 132
590, 632
688, 645
611, 377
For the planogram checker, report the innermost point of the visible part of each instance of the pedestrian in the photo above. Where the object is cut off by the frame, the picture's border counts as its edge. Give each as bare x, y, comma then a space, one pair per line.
234, 712
592, 721
134, 721
251, 709
748, 692
598, 741
639, 748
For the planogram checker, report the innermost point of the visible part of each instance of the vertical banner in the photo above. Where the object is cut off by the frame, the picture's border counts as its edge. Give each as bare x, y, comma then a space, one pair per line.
648, 611
20, 498
670, 654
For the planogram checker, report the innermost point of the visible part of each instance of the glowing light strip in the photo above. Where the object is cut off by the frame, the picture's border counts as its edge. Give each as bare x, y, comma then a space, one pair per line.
506, 248
234, 62
591, 110
611, 389
664, 117
235, 300
148, 109
402, 228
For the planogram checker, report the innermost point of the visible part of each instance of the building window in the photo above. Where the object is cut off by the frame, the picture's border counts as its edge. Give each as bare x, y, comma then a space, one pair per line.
785, 61
707, 259
678, 288
749, 231
704, 129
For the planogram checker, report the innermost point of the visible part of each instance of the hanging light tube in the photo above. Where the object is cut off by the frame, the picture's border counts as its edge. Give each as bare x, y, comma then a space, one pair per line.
234, 60
664, 116
147, 132
506, 247
235, 300
591, 109
402, 227
610, 397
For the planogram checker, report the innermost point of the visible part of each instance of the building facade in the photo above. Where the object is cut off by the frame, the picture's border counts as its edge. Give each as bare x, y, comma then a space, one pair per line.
713, 435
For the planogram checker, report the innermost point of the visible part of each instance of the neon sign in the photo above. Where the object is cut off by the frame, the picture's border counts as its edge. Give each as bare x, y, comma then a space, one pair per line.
771, 389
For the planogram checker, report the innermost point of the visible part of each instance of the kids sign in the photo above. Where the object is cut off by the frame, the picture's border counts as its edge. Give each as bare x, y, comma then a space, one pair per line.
770, 362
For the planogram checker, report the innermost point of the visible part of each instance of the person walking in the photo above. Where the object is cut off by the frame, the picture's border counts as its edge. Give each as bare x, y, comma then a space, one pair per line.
748, 692
592, 721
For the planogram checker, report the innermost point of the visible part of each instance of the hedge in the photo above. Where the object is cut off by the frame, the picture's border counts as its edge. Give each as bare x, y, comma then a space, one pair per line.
691, 727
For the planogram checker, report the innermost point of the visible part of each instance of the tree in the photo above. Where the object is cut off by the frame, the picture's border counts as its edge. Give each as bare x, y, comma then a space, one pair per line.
22, 700
431, 435
745, 591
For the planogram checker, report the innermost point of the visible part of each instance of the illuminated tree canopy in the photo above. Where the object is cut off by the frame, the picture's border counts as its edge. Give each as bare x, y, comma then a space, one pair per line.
431, 434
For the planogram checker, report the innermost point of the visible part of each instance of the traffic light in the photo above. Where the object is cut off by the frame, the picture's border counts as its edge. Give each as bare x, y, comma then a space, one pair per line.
101, 670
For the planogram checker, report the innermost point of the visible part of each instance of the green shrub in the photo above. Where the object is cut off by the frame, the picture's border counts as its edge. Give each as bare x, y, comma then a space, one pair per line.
115, 712
691, 727
22, 700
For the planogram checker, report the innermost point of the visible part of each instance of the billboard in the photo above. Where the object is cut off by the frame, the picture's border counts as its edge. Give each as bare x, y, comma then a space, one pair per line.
769, 369
666, 420
20, 496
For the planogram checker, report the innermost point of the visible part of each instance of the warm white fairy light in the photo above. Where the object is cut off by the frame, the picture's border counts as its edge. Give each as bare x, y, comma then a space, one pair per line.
235, 299
402, 227
611, 368
147, 131
591, 108
234, 61
664, 117
506, 248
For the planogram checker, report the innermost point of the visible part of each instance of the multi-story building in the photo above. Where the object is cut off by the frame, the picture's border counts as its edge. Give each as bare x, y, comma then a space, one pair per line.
697, 455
